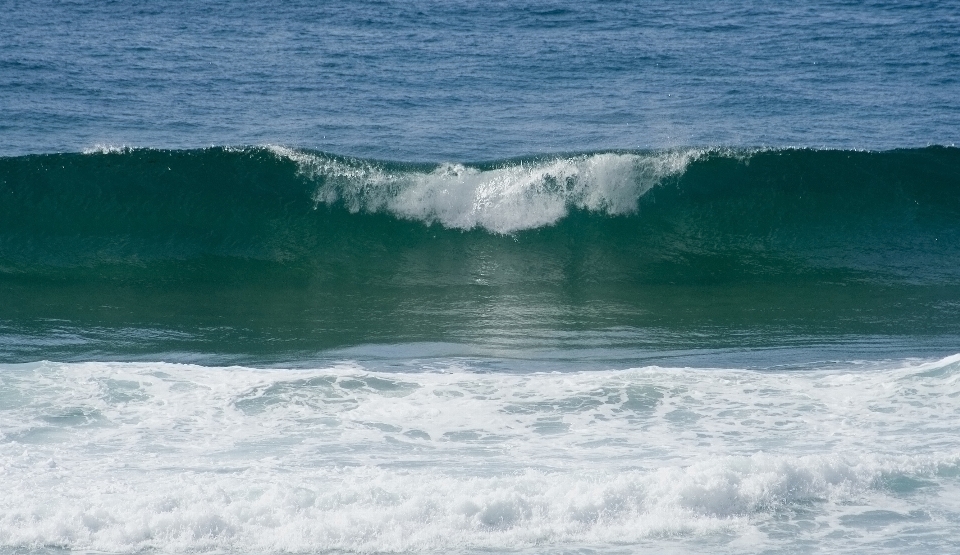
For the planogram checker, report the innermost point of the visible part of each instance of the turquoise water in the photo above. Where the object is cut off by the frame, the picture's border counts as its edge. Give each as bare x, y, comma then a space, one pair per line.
270, 254
382, 277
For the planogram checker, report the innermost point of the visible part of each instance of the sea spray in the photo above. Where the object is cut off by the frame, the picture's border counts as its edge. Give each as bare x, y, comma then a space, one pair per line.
503, 198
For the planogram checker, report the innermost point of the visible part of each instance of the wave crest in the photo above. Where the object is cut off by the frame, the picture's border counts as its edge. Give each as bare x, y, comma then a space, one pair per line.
504, 199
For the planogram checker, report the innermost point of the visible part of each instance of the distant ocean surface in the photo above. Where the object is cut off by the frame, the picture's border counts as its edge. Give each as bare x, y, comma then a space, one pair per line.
449, 277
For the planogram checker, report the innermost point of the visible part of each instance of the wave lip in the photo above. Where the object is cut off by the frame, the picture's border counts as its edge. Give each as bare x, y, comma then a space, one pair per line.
504, 199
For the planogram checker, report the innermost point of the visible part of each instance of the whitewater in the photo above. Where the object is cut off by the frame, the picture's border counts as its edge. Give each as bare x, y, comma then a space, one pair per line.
505, 198
156, 457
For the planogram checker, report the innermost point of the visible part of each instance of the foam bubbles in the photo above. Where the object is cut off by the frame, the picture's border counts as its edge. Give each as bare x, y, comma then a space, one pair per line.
270, 508
107, 149
510, 198
177, 458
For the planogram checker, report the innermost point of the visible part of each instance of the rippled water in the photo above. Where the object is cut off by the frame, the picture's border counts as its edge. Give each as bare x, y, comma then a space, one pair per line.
465, 81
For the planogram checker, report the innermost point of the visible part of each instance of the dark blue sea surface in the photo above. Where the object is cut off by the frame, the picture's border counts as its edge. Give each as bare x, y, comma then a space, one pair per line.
479, 277
464, 80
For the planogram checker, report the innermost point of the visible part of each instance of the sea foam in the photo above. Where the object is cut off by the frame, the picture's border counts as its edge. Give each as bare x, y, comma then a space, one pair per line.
511, 197
273, 506
126, 457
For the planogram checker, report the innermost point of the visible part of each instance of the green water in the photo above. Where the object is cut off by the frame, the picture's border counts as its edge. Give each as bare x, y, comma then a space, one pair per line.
232, 253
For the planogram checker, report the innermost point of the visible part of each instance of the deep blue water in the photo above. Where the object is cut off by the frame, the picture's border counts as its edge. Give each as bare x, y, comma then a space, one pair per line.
478, 80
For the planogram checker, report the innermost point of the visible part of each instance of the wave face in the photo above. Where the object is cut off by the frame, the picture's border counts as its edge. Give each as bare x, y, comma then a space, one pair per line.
327, 246
128, 207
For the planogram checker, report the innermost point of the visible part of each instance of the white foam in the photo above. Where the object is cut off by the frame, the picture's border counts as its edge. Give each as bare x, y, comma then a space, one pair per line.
510, 198
272, 506
107, 149
176, 458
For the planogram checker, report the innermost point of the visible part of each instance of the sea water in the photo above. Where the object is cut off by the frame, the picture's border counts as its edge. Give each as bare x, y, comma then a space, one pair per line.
382, 277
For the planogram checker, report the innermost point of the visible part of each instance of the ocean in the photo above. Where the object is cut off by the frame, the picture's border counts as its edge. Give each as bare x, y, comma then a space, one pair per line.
469, 278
